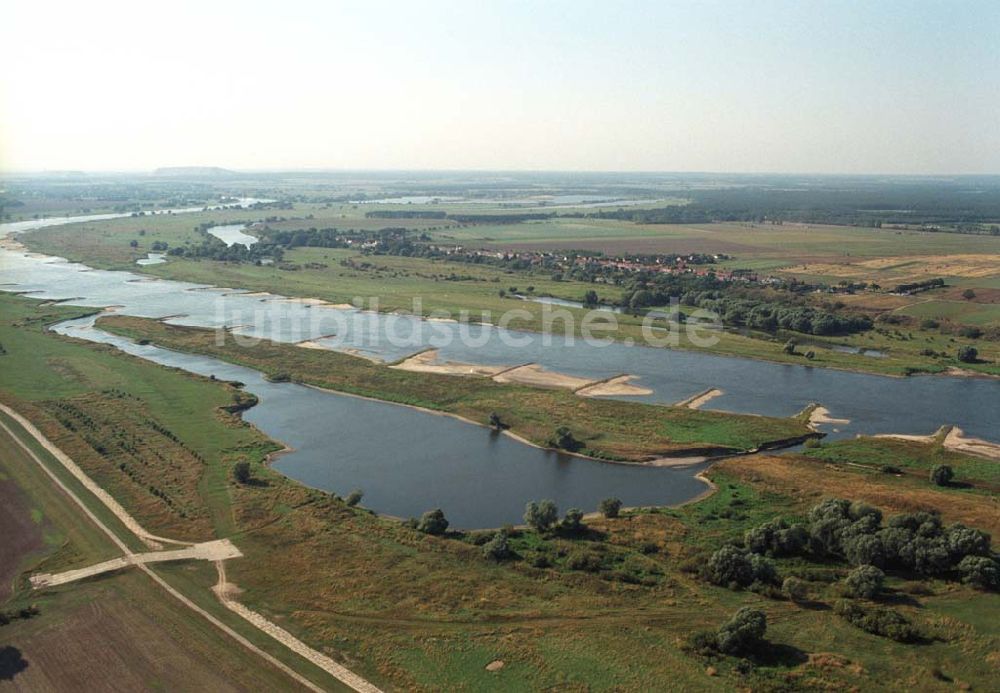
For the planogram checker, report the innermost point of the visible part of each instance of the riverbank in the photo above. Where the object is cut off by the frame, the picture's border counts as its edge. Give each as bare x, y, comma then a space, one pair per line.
604, 428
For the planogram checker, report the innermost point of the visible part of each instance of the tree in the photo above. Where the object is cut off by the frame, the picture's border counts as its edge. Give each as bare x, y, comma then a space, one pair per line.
864, 549
968, 294
573, 520
968, 354
964, 541
541, 516
744, 632
433, 522
590, 298
564, 439
865, 581
942, 475
354, 497
241, 472
133, 243
789, 347
497, 548
610, 507
496, 422
734, 567
980, 571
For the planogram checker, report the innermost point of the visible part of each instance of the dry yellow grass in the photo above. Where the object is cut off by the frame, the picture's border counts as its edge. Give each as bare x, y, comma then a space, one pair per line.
810, 480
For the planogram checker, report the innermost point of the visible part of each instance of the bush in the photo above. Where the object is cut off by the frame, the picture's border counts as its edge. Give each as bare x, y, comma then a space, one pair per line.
573, 520
980, 571
564, 439
877, 621
744, 632
241, 472
354, 497
584, 560
433, 522
776, 538
498, 548
541, 516
865, 581
968, 354
730, 566
704, 643
795, 589
942, 475
610, 507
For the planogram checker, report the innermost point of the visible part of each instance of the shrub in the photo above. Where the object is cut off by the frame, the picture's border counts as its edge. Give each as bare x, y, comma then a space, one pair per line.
865, 581
433, 522
541, 516
980, 571
942, 475
498, 548
795, 589
354, 497
704, 642
584, 560
877, 621
730, 566
610, 507
744, 632
967, 354
970, 332
968, 294
776, 538
241, 472
573, 520
564, 439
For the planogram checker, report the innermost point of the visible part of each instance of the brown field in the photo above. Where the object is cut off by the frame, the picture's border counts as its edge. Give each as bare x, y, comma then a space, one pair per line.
901, 269
22, 535
122, 633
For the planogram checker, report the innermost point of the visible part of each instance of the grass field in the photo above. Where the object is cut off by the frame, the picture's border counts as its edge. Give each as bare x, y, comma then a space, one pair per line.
417, 612
882, 255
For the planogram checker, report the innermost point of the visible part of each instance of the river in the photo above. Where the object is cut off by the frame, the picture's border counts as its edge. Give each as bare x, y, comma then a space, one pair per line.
407, 461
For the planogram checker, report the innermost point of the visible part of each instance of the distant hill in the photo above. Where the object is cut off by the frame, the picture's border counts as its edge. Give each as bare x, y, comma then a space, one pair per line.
194, 172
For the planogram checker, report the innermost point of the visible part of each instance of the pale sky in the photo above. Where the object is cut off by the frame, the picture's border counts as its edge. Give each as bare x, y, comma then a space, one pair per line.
825, 87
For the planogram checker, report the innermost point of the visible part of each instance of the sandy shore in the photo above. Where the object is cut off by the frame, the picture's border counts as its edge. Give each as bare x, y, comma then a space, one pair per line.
311, 344
535, 375
618, 386
954, 440
699, 400
677, 461
427, 362
821, 415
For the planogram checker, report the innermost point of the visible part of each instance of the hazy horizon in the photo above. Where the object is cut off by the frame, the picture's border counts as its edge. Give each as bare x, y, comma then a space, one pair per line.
815, 88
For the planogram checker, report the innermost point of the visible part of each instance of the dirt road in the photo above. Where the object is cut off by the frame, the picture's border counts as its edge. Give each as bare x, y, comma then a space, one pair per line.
335, 670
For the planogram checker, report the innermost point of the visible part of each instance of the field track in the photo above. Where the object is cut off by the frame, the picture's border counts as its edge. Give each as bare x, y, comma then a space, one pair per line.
337, 671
